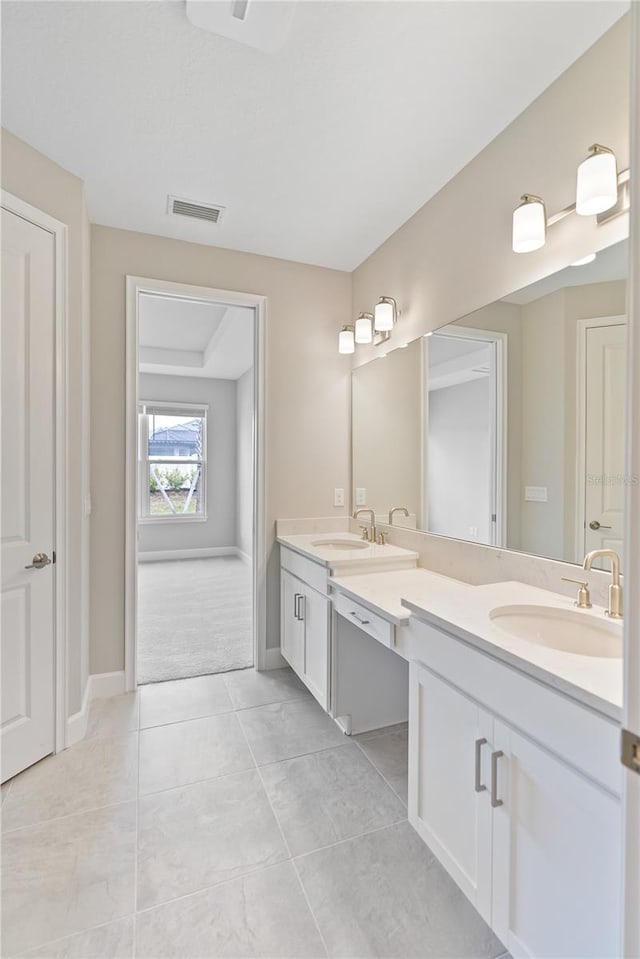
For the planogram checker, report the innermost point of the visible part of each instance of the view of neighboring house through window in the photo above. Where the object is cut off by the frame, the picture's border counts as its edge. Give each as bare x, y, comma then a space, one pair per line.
172, 445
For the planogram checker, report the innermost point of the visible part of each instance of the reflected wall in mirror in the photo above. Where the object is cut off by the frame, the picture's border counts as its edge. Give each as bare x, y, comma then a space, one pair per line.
506, 427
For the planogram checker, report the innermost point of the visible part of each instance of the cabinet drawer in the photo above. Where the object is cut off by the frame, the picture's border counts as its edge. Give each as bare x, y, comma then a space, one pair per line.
315, 574
365, 620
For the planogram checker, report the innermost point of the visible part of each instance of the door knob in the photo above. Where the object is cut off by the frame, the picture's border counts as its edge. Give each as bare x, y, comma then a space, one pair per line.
40, 560
595, 525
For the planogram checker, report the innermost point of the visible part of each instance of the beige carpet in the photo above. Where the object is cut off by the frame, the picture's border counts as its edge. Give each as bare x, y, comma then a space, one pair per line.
194, 617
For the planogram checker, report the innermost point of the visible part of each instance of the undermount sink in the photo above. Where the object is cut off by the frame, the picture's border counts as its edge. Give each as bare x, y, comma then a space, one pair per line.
561, 629
341, 543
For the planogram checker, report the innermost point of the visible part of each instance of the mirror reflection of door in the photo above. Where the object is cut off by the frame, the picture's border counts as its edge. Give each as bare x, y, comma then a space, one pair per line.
602, 410
463, 427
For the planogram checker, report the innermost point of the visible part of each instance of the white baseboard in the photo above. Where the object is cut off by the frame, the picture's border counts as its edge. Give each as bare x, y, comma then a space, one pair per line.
99, 685
244, 557
273, 659
158, 555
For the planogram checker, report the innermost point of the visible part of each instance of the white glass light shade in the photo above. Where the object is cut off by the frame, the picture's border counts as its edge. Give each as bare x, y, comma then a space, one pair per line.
597, 185
529, 225
364, 328
589, 258
384, 314
346, 342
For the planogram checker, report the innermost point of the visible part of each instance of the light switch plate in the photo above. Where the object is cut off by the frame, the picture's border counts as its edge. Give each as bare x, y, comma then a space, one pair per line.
361, 496
338, 497
535, 494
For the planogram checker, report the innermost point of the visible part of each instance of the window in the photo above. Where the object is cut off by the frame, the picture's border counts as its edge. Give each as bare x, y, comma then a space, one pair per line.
172, 462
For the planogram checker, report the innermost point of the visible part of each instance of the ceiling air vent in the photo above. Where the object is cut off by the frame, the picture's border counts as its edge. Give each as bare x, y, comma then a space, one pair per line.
198, 211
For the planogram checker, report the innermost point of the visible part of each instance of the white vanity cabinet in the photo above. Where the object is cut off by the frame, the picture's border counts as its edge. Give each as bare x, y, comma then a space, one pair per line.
305, 616
533, 841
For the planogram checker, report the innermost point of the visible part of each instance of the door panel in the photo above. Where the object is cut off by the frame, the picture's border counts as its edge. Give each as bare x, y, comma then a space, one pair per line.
444, 806
315, 612
606, 363
27, 608
556, 861
292, 629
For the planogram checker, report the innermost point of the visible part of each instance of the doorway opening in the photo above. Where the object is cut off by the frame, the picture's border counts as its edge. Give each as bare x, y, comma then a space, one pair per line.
465, 426
194, 482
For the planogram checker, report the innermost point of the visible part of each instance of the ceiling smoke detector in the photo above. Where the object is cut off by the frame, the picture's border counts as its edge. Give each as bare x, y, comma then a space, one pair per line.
210, 212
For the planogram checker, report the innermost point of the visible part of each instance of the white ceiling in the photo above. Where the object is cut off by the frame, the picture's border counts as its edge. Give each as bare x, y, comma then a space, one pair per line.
320, 150
182, 337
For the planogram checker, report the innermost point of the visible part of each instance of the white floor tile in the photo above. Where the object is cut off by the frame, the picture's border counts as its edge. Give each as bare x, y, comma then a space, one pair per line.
182, 699
204, 834
189, 752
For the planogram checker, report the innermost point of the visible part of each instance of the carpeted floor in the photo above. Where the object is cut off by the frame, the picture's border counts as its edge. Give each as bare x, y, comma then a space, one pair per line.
194, 617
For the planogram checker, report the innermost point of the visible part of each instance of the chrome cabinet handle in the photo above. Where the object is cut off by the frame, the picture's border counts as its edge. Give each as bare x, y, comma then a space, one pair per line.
39, 561
363, 622
595, 525
494, 778
301, 607
479, 785
296, 600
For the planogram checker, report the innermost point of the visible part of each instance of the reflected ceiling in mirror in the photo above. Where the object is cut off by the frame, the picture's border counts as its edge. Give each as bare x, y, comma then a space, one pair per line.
507, 426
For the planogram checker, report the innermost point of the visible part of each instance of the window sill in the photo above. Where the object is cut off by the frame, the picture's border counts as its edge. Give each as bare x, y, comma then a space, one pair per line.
166, 520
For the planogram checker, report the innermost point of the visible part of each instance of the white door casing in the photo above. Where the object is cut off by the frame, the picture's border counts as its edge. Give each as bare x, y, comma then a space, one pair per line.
135, 286
28, 490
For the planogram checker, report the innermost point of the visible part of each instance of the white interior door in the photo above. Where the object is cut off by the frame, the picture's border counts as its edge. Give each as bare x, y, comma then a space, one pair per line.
605, 399
27, 598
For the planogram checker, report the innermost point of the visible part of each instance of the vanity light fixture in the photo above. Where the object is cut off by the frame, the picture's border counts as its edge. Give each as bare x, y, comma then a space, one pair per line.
589, 258
600, 191
385, 314
364, 328
529, 224
597, 183
346, 340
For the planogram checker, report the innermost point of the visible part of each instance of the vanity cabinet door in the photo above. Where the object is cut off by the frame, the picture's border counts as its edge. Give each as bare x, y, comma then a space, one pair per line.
291, 623
315, 612
449, 769
556, 856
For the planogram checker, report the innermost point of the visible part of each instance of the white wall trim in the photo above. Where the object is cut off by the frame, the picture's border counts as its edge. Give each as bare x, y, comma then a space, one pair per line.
99, 686
136, 285
581, 421
207, 552
631, 660
60, 235
499, 451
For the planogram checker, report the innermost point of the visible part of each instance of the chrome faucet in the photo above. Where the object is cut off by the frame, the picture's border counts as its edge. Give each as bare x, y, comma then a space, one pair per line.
615, 590
397, 509
372, 519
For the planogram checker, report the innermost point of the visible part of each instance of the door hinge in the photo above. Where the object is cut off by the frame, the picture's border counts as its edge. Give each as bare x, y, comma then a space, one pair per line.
53, 556
494, 517
630, 750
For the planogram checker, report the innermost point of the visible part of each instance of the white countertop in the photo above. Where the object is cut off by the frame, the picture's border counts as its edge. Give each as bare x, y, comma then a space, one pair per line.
387, 580
349, 561
383, 593
464, 612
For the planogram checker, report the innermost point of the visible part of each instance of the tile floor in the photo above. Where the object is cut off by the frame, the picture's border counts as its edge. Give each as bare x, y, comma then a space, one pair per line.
224, 816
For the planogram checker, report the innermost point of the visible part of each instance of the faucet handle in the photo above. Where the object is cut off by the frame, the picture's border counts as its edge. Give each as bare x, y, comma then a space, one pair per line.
584, 599
365, 533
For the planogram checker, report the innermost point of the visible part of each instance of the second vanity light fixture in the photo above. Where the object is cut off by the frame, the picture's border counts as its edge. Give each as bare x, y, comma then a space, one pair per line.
596, 192
373, 327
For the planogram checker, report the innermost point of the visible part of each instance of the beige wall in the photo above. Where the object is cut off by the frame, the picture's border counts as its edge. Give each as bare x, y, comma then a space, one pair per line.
454, 255
37, 180
307, 403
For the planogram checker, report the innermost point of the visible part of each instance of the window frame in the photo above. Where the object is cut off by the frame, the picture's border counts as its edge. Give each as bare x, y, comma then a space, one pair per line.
200, 410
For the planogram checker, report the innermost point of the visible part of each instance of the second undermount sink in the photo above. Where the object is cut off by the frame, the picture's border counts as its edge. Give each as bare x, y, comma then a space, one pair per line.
563, 629
335, 543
